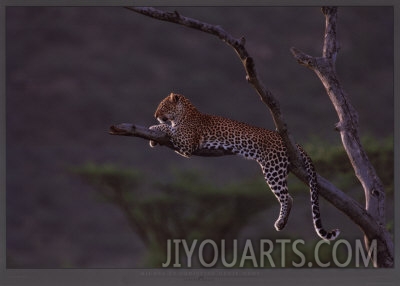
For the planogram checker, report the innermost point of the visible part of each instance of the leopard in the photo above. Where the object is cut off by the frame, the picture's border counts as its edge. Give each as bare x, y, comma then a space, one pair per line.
189, 130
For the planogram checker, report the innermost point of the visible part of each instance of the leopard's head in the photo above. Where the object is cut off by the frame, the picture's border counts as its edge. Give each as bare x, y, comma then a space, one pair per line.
172, 108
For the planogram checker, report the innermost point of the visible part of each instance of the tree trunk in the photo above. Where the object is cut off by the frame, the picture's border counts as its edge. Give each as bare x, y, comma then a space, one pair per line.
325, 69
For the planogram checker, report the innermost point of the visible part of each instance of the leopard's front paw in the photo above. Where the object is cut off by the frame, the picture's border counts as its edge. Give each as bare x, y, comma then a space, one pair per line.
160, 127
154, 127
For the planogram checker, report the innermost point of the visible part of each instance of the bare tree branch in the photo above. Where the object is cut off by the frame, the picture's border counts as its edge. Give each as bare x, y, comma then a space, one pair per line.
251, 73
325, 69
370, 219
330, 49
128, 129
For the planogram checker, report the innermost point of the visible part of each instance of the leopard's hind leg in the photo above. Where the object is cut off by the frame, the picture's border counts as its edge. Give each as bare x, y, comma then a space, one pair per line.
276, 180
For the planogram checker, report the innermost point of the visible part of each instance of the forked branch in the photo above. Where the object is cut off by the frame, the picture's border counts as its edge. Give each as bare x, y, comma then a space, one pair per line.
325, 69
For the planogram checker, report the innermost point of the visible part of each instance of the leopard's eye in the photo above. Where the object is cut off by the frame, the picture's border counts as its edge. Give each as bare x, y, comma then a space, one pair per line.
162, 119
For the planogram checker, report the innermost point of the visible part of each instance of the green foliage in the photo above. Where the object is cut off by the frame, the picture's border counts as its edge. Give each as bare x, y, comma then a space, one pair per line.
186, 207
331, 161
109, 179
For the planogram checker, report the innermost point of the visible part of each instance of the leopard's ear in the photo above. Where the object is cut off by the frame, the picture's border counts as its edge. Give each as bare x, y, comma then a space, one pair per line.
173, 97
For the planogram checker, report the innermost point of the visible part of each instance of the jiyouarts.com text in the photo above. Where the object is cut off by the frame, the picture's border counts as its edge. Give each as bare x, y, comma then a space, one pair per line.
267, 253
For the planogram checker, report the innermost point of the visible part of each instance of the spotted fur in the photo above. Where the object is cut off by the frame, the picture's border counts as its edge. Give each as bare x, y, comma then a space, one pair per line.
191, 130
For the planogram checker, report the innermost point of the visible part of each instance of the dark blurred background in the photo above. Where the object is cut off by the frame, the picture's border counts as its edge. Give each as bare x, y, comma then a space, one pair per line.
72, 72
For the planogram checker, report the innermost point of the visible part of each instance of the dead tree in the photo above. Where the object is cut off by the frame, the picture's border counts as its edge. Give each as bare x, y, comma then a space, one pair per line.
370, 218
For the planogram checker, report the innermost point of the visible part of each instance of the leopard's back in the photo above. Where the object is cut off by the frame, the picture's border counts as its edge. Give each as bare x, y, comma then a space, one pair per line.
240, 138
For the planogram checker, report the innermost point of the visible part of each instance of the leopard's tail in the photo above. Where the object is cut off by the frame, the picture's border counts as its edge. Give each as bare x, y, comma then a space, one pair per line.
312, 182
